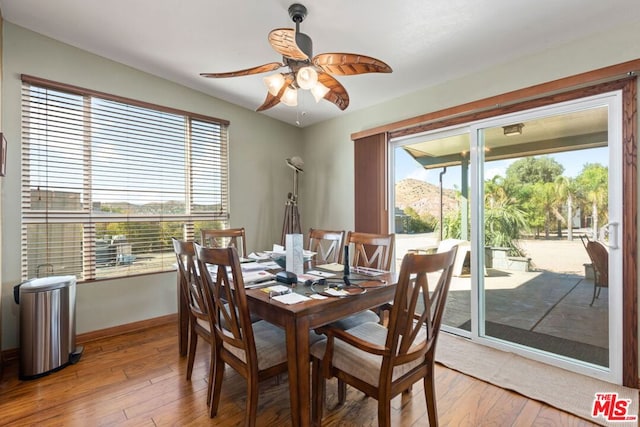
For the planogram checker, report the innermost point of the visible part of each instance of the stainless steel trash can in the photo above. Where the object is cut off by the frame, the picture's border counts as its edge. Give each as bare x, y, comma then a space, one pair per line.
47, 325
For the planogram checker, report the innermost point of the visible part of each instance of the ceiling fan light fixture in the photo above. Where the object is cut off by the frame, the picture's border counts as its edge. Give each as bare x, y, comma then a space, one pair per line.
274, 83
290, 97
307, 77
319, 91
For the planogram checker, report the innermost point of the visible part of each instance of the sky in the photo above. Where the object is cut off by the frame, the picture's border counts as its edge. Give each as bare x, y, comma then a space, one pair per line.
573, 161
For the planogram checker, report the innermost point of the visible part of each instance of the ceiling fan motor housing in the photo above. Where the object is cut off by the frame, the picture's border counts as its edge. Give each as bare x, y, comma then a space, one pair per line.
297, 12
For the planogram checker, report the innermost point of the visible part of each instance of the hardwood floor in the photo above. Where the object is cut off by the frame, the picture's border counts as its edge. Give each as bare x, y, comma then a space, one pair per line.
138, 379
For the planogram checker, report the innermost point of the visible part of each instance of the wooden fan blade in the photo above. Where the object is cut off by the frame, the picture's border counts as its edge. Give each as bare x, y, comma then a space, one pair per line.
255, 70
272, 101
337, 93
283, 41
348, 64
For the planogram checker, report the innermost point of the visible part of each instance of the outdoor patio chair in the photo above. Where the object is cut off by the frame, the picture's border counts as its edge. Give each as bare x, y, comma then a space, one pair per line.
599, 256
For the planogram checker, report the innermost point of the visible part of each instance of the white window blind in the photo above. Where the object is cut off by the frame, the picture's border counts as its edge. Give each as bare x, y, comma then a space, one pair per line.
107, 181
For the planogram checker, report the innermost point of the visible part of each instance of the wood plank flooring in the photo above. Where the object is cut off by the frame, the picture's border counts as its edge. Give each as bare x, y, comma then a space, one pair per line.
138, 379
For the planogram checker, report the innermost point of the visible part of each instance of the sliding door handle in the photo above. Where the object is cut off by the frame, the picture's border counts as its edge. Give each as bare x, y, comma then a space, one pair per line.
609, 235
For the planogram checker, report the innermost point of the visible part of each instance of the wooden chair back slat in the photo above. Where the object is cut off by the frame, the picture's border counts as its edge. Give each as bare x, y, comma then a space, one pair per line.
230, 237
327, 244
371, 250
185, 254
226, 296
417, 306
185, 257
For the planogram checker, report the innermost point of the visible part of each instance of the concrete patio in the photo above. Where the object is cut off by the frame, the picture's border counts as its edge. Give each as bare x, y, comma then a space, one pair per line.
547, 308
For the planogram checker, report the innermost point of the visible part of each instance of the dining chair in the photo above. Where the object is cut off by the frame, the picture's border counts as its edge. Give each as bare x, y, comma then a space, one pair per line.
257, 351
384, 361
224, 238
327, 245
371, 251
199, 320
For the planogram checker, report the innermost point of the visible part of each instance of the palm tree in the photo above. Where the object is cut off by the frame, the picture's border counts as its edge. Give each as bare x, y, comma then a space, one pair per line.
503, 224
597, 197
495, 191
594, 180
504, 221
568, 190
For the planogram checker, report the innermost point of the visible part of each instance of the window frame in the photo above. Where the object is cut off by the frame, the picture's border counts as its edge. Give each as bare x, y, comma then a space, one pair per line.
86, 216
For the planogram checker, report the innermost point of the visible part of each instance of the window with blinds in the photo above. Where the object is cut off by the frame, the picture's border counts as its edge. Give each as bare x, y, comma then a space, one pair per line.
107, 181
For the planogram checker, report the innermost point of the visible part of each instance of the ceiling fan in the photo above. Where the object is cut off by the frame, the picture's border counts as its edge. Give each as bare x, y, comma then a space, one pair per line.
313, 73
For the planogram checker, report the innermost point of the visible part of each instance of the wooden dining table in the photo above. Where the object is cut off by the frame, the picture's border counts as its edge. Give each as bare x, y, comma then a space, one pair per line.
298, 320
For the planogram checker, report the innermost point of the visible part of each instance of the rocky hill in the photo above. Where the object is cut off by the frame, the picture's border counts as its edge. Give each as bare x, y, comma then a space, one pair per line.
424, 197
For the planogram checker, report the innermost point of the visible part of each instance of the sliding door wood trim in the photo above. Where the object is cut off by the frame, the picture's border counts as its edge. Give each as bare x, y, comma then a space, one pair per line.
569, 95
600, 75
371, 201
630, 234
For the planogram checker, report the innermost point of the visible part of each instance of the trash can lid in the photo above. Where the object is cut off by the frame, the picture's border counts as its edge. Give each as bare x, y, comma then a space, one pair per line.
47, 283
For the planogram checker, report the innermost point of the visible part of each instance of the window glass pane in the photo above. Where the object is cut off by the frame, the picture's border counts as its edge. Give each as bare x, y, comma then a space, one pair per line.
54, 163
125, 248
209, 183
432, 210
54, 250
132, 151
207, 225
546, 193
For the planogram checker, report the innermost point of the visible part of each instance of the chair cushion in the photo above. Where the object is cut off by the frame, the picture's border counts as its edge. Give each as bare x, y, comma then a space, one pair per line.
361, 364
271, 344
355, 320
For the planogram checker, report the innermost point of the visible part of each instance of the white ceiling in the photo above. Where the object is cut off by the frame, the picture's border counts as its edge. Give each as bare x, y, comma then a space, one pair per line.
424, 41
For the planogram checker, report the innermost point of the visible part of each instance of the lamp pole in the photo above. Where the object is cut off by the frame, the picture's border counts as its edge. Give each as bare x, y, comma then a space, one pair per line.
291, 224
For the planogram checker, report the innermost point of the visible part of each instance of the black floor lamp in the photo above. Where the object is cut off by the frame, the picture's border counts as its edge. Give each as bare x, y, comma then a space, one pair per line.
291, 224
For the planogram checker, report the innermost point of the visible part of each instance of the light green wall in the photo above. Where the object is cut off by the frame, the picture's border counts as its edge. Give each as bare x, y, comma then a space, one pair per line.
259, 177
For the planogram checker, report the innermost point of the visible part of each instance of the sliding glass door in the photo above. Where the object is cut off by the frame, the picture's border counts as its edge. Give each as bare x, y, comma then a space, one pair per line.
524, 196
431, 208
